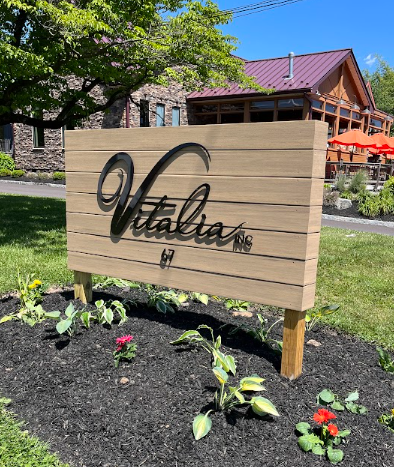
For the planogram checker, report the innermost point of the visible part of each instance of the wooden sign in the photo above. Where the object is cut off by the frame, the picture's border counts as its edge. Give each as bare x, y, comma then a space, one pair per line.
229, 210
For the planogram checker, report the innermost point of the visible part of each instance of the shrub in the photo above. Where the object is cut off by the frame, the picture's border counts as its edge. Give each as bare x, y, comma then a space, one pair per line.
341, 182
369, 207
348, 195
59, 175
6, 161
389, 184
5, 173
17, 173
43, 176
358, 182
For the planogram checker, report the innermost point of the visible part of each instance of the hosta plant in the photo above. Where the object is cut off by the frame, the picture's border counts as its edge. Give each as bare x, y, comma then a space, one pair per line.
328, 398
70, 323
199, 297
165, 300
236, 305
261, 332
385, 360
323, 439
113, 281
212, 346
314, 316
125, 349
105, 312
387, 419
228, 397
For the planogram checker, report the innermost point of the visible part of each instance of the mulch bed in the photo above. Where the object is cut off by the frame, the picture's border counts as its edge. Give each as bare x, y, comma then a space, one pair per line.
69, 392
353, 212
34, 180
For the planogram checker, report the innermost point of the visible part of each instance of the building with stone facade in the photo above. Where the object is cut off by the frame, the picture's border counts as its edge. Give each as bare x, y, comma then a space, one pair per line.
325, 86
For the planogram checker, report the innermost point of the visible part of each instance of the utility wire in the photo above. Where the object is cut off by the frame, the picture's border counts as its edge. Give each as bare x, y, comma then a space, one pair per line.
258, 7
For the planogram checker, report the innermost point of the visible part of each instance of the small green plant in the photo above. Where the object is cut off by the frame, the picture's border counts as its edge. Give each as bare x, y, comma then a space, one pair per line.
59, 175
341, 183
125, 350
199, 297
314, 316
115, 282
329, 399
104, 313
228, 397
328, 436
348, 195
237, 305
385, 360
6, 162
387, 419
17, 173
327, 186
261, 332
70, 323
5, 173
165, 300
358, 182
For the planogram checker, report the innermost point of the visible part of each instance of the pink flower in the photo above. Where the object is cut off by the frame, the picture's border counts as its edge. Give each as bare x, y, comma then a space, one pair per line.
121, 341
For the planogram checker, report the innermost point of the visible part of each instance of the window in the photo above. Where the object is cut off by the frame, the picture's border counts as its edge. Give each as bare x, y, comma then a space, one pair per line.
144, 113
331, 108
262, 111
376, 123
232, 118
176, 116
160, 113
69, 126
290, 103
344, 113
38, 133
206, 108
262, 105
317, 105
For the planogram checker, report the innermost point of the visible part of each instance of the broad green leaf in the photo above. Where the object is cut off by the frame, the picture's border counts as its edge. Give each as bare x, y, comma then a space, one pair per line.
63, 325
307, 318
99, 304
85, 318
221, 358
52, 314
318, 450
337, 406
237, 394
231, 364
70, 310
247, 385
203, 298
218, 342
325, 397
186, 335
220, 374
5, 401
4, 319
306, 442
161, 306
253, 378
352, 397
182, 298
201, 426
334, 455
262, 406
343, 434
303, 428
328, 309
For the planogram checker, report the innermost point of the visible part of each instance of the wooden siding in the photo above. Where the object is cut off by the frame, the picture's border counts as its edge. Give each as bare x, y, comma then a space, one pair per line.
251, 181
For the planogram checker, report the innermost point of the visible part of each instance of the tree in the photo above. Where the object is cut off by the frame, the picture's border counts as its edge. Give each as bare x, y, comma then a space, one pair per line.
382, 84
113, 45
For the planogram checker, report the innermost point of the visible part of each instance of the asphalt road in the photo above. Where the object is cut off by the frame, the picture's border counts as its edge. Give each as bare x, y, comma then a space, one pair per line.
60, 192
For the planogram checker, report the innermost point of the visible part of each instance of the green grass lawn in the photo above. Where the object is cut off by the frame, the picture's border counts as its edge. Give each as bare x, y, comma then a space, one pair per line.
354, 272
18, 448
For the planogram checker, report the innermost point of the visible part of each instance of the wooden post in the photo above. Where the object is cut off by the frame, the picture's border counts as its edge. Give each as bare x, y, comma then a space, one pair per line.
293, 344
83, 286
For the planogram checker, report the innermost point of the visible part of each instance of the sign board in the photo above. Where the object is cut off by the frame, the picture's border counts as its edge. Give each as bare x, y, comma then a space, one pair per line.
229, 210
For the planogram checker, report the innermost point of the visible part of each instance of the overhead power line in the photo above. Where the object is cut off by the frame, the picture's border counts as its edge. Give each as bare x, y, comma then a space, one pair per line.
259, 7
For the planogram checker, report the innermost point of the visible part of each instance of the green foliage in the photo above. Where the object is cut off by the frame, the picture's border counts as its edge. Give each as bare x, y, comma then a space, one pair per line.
261, 332
17, 173
389, 185
199, 297
314, 316
149, 42
227, 397
6, 161
348, 195
59, 175
358, 182
341, 183
104, 313
387, 419
5, 173
113, 281
165, 300
126, 350
237, 305
17, 448
385, 360
379, 204
329, 399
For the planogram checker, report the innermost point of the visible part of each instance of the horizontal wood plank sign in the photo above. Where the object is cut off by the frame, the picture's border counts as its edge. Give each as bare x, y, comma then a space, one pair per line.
229, 210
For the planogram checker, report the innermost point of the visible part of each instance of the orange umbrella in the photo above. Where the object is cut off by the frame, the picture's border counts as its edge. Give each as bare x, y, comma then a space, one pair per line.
383, 141
354, 138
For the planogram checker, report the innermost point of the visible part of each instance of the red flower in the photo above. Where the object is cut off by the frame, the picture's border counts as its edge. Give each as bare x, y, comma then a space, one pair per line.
322, 416
333, 429
121, 341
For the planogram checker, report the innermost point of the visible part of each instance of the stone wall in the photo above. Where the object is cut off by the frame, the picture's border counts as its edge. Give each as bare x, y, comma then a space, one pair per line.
51, 157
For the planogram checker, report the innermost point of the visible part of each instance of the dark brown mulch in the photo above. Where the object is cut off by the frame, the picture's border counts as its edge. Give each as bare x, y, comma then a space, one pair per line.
353, 212
34, 180
69, 392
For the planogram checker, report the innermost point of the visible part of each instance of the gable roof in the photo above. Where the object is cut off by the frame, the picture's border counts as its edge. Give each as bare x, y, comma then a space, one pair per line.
309, 71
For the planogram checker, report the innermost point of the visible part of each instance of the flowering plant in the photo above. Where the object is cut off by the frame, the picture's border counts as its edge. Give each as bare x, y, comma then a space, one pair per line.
321, 441
125, 350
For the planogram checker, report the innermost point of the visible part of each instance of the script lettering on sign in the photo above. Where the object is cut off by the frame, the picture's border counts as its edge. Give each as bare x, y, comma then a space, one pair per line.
191, 219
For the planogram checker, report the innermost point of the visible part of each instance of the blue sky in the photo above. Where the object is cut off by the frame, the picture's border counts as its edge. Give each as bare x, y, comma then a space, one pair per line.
315, 26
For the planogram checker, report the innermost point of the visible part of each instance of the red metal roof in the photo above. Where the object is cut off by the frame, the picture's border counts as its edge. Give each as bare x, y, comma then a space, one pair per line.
309, 71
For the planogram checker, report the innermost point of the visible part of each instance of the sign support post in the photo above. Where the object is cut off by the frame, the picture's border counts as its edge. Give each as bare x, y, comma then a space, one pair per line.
293, 344
83, 286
